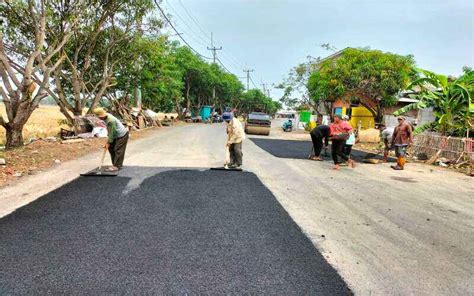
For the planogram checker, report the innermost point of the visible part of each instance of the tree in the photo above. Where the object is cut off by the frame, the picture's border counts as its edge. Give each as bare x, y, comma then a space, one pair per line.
29, 55
295, 91
296, 94
228, 88
255, 100
449, 99
370, 77
200, 79
104, 40
190, 67
160, 77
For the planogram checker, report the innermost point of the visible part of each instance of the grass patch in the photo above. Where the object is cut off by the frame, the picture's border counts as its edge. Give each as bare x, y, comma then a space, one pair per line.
44, 122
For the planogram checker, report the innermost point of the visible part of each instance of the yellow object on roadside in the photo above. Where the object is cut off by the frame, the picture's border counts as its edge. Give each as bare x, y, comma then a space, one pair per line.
362, 116
312, 125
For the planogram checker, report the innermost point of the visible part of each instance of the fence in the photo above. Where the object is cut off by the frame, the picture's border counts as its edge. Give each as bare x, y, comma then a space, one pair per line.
451, 148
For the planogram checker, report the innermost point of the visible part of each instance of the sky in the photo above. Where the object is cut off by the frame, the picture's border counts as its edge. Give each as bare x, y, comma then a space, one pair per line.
272, 36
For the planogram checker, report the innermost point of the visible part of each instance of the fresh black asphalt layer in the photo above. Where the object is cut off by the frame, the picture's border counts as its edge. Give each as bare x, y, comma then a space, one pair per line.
300, 149
180, 233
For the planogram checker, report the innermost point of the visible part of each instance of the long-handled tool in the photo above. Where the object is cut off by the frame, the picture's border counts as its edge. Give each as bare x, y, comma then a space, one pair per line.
98, 171
227, 161
325, 152
227, 157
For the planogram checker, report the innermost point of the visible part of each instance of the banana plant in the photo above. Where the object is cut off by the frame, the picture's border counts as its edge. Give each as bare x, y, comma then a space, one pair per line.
450, 100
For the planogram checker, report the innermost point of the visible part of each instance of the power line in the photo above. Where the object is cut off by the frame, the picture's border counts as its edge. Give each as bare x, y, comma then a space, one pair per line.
254, 85
225, 68
181, 37
232, 61
201, 40
227, 55
193, 19
214, 49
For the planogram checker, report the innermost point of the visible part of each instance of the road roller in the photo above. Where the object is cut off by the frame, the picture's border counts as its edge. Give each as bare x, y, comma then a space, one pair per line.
258, 123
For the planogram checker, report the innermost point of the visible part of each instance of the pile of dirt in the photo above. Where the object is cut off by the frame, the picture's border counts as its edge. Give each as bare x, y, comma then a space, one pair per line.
370, 135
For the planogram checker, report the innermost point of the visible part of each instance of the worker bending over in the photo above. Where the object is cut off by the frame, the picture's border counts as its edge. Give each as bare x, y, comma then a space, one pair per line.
387, 136
317, 135
117, 138
235, 137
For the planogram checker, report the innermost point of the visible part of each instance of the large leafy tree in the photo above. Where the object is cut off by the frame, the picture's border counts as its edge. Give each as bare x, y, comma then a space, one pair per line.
370, 77
30, 53
449, 99
105, 39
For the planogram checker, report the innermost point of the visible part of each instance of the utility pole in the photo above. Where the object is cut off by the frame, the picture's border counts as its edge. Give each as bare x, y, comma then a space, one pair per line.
214, 49
248, 76
214, 57
265, 90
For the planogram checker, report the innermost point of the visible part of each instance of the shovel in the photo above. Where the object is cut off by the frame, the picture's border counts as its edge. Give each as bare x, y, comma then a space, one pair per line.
98, 172
227, 157
227, 161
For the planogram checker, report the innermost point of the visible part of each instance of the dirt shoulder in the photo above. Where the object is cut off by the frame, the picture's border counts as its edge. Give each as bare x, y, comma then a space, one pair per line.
41, 155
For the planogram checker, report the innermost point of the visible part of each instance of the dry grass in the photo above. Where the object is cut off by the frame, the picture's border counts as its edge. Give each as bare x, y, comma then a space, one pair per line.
44, 122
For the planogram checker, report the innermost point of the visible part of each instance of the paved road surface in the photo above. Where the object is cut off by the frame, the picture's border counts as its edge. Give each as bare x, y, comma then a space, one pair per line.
385, 232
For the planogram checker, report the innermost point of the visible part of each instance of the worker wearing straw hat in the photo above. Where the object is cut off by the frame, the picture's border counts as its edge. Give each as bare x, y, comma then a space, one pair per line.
117, 138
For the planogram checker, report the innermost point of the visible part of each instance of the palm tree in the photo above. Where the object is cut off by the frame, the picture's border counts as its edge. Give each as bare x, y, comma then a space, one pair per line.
449, 98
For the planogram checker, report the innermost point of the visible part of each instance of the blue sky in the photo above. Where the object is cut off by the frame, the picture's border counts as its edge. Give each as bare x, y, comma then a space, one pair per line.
271, 36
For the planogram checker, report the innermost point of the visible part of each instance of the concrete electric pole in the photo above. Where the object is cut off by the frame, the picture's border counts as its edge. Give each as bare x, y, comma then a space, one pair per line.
214, 49
248, 76
214, 57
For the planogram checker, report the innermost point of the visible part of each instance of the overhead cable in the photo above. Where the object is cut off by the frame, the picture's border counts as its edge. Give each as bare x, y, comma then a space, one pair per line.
179, 35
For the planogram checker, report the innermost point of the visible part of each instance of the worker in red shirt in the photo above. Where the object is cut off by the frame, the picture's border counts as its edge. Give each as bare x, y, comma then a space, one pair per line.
340, 132
401, 139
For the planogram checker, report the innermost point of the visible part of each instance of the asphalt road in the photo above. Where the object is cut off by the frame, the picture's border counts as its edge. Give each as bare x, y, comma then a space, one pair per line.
385, 232
181, 232
302, 149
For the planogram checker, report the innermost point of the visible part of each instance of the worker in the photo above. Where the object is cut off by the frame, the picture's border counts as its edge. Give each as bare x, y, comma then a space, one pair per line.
117, 138
347, 149
401, 139
340, 132
235, 137
317, 135
386, 135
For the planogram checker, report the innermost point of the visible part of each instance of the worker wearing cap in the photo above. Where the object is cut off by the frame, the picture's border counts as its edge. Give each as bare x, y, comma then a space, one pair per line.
402, 137
387, 136
235, 137
117, 138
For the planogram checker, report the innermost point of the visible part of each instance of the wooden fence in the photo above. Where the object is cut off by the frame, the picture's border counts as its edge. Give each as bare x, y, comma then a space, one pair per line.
454, 149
